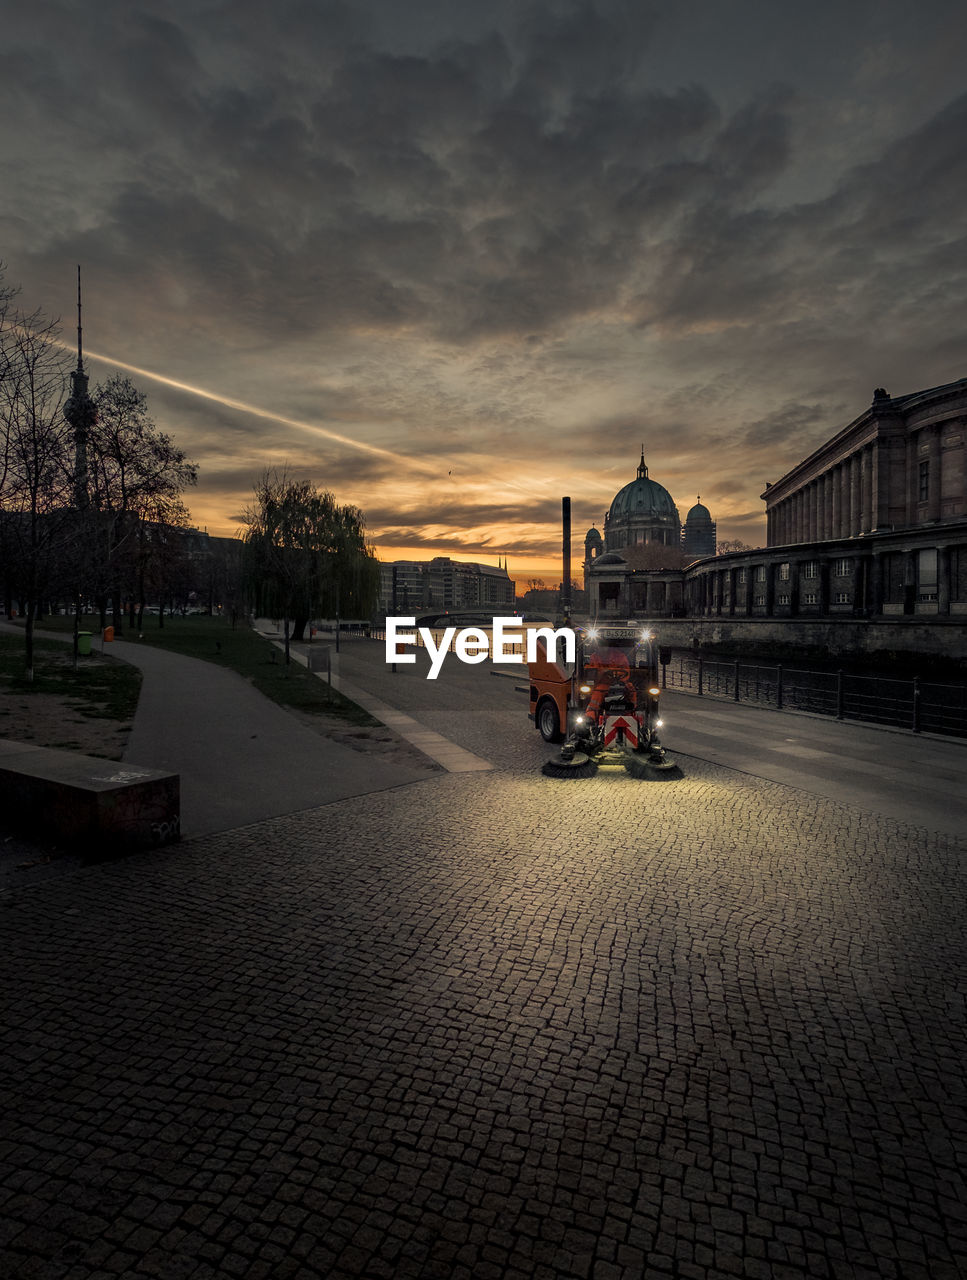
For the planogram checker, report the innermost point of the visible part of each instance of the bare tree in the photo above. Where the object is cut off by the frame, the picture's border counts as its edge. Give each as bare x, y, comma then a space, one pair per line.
733, 544
136, 476
35, 460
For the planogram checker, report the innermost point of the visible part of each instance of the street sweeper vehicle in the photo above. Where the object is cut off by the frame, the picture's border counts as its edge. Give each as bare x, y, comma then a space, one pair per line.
603, 707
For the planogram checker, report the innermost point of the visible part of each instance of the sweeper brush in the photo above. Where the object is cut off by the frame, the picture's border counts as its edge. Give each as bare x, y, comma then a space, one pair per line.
579, 766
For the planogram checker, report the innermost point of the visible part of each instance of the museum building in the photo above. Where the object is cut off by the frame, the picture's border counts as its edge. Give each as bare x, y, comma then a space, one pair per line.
873, 524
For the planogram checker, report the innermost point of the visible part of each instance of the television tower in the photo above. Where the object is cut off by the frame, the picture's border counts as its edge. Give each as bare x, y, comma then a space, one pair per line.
80, 413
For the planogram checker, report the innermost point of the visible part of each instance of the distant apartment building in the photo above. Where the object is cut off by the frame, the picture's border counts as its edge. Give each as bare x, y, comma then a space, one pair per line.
413, 586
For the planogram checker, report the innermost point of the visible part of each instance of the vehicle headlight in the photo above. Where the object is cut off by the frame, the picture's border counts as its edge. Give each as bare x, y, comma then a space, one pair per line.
659, 723
654, 692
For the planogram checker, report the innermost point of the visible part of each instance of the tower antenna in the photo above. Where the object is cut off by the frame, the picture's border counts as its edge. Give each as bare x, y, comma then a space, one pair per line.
80, 348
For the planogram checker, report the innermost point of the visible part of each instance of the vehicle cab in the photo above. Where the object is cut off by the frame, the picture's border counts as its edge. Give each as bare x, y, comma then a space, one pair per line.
607, 698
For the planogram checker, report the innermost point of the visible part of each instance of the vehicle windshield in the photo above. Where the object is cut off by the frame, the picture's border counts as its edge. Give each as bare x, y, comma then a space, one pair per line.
621, 662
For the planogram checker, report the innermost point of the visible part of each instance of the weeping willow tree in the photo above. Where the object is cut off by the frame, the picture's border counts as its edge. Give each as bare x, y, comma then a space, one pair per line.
306, 556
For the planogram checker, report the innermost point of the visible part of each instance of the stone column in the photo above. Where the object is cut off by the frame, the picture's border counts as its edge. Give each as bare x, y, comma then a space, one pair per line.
866, 477
882, 451
823, 585
863, 586
933, 457
912, 478
910, 582
821, 508
854, 496
877, 586
834, 503
943, 580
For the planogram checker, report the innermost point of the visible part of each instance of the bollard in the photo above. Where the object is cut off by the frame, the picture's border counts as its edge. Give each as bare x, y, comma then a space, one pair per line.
839, 694
736, 682
916, 704
779, 687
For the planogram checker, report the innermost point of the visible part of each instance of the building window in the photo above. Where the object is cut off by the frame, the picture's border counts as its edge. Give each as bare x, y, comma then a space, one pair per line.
810, 569
924, 481
927, 574
844, 597
782, 599
842, 568
759, 600
760, 573
810, 597
741, 578
784, 573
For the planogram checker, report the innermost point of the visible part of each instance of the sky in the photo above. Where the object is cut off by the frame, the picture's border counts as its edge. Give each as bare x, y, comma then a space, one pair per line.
453, 261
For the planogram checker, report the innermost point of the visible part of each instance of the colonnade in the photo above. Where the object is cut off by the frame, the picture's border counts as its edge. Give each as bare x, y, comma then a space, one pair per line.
840, 503
810, 583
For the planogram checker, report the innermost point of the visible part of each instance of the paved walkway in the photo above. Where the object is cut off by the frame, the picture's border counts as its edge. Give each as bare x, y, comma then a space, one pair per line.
241, 757
446, 752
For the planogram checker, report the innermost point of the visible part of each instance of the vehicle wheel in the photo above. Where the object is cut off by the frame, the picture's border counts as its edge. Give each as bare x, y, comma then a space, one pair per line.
547, 721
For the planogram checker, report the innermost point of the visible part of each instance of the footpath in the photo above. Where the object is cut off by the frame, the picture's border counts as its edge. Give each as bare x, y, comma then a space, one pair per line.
241, 757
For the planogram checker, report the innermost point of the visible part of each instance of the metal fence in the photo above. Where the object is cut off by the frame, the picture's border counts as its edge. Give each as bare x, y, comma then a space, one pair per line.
918, 705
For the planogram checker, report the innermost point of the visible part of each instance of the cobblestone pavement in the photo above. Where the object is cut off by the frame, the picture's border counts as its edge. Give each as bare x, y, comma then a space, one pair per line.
494, 1026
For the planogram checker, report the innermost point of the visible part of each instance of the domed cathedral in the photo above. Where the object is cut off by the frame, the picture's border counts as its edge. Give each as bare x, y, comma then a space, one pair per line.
636, 567
698, 538
642, 512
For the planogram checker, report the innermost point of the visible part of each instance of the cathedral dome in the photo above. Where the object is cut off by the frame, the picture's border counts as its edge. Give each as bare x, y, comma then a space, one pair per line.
699, 535
642, 498
699, 514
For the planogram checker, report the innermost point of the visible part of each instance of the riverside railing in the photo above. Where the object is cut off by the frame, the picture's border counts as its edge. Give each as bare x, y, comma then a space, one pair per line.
918, 705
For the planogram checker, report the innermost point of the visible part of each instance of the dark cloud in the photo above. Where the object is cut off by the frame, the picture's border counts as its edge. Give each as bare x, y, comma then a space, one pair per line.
393, 539
793, 425
470, 515
510, 231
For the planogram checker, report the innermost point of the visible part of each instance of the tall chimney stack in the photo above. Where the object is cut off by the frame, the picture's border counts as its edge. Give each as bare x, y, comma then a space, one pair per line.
566, 583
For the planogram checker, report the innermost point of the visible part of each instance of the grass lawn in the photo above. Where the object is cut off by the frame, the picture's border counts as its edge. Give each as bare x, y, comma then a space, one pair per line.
107, 690
242, 650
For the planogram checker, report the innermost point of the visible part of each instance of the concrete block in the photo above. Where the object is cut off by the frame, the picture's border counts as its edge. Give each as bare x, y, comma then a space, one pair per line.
98, 805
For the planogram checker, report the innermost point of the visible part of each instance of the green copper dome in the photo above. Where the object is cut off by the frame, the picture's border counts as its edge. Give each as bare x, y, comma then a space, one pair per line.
642, 497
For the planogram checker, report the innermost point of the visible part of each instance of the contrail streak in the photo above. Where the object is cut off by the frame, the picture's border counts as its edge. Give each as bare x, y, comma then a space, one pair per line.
252, 409
536, 483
